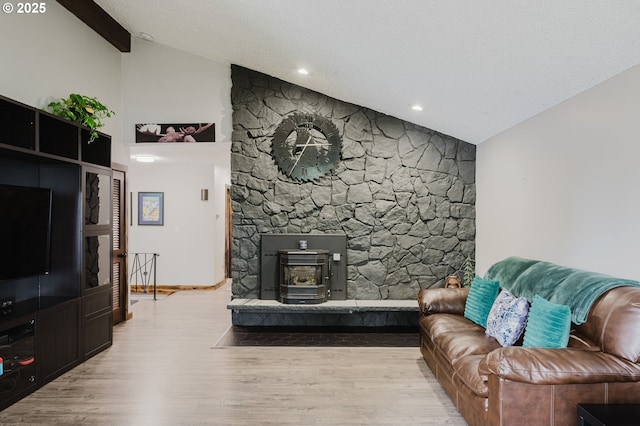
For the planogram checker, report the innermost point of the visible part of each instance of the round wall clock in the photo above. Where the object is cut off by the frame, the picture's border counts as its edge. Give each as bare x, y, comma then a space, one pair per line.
306, 146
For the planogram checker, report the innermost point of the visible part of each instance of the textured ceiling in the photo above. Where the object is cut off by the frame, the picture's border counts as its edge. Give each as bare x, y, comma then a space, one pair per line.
476, 67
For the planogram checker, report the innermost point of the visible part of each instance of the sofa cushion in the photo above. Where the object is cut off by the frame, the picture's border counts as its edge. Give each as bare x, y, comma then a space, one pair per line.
480, 299
550, 366
613, 323
507, 318
442, 300
456, 345
467, 371
438, 324
548, 326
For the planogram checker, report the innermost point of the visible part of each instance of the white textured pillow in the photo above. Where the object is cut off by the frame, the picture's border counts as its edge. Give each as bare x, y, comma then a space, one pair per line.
507, 318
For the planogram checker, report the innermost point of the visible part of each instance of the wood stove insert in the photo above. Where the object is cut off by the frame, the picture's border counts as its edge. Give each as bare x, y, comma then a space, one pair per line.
304, 276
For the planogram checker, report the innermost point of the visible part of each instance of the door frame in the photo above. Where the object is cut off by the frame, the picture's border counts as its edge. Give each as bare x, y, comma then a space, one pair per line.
121, 313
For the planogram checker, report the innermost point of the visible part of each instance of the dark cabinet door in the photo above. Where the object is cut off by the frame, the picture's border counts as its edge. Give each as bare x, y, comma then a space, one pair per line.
58, 334
97, 322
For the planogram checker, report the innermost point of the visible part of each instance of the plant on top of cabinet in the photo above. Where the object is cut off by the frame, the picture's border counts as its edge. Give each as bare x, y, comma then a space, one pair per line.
83, 110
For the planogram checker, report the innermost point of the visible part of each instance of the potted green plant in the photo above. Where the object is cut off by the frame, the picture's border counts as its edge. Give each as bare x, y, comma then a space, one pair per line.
84, 110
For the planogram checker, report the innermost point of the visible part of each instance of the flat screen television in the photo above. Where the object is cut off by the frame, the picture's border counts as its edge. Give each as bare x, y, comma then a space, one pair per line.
25, 231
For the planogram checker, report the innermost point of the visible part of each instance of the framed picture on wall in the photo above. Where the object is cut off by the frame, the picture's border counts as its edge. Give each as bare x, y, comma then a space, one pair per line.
175, 132
151, 208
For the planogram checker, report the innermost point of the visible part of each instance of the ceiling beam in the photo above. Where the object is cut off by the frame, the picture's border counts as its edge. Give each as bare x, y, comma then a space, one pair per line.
100, 21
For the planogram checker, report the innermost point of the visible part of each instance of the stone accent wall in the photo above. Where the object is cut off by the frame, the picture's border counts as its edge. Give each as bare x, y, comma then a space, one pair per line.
403, 194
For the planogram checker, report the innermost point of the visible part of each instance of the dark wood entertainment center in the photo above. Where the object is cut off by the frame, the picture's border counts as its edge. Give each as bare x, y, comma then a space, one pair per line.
54, 322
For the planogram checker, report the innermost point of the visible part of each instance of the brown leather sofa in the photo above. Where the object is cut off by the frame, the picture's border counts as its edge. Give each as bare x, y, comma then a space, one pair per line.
494, 385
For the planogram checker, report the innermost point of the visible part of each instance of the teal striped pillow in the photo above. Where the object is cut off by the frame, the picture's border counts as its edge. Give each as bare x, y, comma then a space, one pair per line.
482, 294
548, 326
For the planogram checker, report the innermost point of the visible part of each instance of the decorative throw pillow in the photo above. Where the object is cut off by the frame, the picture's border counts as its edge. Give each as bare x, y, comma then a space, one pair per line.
548, 326
507, 318
481, 296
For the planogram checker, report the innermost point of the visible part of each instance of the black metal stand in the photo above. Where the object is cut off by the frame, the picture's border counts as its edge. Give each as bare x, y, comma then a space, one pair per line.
144, 266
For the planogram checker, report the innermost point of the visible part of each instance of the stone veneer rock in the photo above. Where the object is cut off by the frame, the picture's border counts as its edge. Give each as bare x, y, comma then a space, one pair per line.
403, 194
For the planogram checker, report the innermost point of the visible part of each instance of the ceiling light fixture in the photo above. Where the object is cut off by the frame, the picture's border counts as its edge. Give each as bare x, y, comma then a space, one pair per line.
416, 108
303, 71
146, 36
145, 159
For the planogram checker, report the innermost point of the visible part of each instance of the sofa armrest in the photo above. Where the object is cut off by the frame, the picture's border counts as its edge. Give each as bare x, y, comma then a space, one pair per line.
442, 300
558, 366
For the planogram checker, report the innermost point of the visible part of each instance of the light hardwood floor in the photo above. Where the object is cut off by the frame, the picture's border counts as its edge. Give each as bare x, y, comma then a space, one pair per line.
163, 369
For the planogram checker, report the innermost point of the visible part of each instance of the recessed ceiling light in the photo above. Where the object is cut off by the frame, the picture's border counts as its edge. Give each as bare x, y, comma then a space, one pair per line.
146, 36
145, 159
303, 71
416, 108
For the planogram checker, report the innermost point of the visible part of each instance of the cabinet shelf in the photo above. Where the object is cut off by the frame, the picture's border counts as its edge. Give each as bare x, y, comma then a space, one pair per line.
97, 152
17, 125
10, 314
28, 128
58, 137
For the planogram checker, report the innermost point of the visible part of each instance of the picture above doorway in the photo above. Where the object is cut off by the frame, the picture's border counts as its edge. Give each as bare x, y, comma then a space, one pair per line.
175, 132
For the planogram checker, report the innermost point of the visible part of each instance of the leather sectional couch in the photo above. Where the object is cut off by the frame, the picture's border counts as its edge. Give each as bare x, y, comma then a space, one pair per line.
515, 385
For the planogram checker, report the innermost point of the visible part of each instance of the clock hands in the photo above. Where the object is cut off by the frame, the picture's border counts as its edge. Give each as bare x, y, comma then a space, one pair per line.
314, 144
306, 144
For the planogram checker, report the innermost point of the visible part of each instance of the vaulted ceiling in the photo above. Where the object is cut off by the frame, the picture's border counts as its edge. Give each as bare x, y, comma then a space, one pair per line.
477, 68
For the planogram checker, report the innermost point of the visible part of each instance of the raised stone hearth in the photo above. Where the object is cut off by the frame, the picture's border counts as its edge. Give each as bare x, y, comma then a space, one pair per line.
349, 313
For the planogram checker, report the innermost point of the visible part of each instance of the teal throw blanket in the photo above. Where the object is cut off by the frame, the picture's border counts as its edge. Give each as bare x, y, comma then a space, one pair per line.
558, 284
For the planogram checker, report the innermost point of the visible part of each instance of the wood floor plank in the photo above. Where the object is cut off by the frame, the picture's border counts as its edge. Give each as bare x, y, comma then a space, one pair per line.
164, 369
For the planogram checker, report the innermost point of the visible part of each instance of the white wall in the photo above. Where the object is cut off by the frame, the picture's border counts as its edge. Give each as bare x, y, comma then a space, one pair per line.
563, 186
165, 85
186, 241
49, 56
